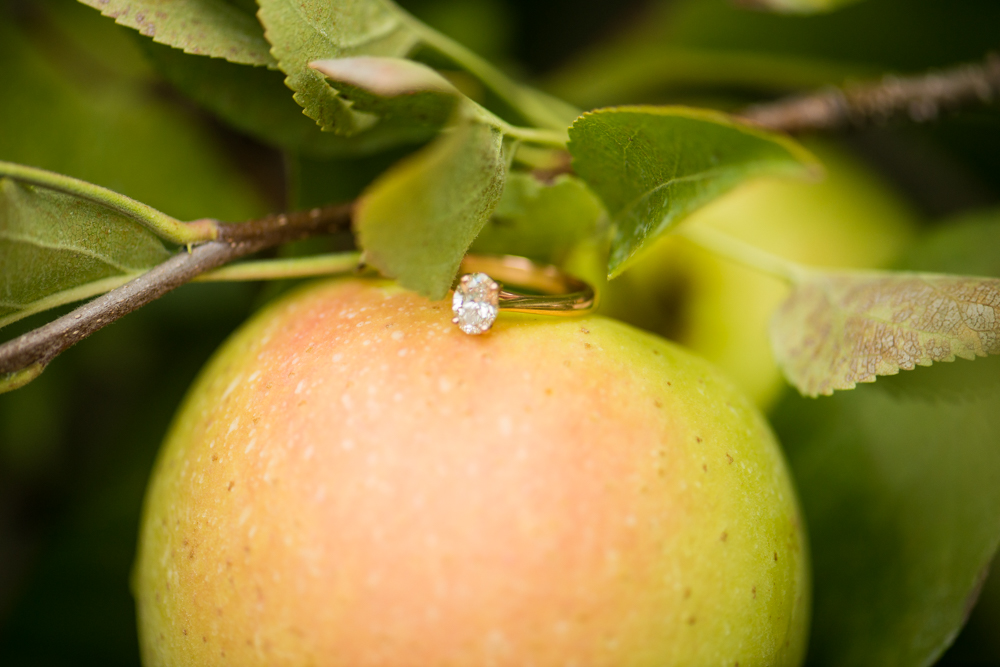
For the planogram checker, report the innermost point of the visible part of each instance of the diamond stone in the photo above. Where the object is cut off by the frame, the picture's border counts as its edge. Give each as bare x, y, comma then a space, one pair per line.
476, 303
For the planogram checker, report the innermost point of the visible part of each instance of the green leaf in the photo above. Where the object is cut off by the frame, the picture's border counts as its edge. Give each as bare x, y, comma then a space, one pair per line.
392, 88
900, 483
416, 222
310, 30
57, 248
202, 27
256, 101
84, 103
302, 32
652, 166
541, 221
487, 27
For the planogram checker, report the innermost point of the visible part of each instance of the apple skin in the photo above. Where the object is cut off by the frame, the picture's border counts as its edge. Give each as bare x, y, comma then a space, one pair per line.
353, 481
721, 310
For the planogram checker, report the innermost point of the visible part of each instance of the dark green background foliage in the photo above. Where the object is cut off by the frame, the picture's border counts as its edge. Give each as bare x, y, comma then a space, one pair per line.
900, 480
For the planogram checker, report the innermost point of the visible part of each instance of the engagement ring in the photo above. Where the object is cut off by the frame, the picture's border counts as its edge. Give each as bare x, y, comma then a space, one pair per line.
484, 289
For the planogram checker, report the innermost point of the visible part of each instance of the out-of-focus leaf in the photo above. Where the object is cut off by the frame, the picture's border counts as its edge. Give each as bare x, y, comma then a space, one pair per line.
654, 165
317, 182
485, 26
55, 249
303, 32
688, 46
900, 483
76, 115
839, 328
541, 221
880, 34
964, 245
800, 6
416, 221
392, 88
203, 27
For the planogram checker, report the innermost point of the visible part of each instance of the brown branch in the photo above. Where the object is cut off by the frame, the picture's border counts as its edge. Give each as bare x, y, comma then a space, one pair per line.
919, 98
38, 347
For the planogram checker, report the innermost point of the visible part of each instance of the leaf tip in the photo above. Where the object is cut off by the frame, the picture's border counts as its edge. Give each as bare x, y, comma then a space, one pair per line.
17, 379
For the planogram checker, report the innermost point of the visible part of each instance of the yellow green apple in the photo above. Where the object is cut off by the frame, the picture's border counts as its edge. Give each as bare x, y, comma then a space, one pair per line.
721, 310
353, 481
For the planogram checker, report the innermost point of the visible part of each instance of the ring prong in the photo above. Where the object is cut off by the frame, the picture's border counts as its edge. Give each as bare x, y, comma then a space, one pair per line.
454, 320
494, 285
465, 279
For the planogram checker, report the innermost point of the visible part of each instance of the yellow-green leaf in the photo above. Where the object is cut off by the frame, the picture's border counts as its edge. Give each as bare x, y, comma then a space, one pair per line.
652, 166
416, 221
840, 328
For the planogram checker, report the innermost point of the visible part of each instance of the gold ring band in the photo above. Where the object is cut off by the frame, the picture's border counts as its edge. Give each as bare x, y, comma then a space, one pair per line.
484, 288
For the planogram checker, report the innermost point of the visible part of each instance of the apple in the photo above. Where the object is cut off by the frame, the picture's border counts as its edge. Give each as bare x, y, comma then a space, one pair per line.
353, 481
721, 310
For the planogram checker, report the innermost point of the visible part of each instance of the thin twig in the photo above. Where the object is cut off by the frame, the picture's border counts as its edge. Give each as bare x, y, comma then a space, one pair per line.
40, 346
920, 98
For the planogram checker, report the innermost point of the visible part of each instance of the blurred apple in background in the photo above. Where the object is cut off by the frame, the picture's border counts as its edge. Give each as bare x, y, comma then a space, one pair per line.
721, 310
353, 481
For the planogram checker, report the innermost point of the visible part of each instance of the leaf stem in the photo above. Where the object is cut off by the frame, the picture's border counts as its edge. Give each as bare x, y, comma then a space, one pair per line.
293, 267
159, 223
532, 135
752, 257
541, 137
522, 98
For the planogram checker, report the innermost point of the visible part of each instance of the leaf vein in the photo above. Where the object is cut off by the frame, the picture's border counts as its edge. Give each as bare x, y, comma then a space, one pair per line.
118, 266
